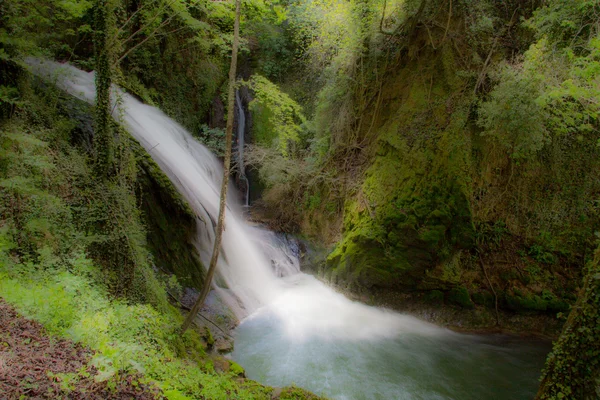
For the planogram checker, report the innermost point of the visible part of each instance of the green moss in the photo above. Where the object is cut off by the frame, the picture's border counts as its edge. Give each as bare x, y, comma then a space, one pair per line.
150, 168
484, 298
541, 254
206, 334
435, 297
404, 223
235, 368
412, 211
170, 222
296, 393
509, 275
558, 305
460, 296
572, 367
528, 302
263, 131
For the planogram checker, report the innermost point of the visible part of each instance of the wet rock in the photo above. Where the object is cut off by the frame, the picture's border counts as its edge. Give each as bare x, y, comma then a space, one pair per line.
221, 365
223, 346
276, 393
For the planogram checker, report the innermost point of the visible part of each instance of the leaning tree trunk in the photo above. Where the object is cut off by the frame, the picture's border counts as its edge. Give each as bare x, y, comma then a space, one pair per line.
226, 171
573, 367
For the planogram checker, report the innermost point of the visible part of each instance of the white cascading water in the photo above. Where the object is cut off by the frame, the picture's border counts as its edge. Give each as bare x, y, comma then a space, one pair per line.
295, 328
255, 270
241, 128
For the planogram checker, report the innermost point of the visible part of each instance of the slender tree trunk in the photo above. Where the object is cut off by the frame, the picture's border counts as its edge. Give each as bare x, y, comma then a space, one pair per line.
226, 172
573, 367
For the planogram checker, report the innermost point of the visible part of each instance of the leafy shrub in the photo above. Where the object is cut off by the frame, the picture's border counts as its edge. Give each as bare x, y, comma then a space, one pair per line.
513, 116
285, 115
540, 254
213, 138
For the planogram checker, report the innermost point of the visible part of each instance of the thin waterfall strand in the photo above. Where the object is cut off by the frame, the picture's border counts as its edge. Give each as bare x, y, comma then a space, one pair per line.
241, 130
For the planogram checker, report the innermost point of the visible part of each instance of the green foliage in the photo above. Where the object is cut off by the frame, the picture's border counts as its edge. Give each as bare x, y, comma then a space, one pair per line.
236, 369
557, 118
573, 366
41, 26
314, 201
213, 138
55, 208
528, 302
284, 114
428, 167
569, 23
321, 29
490, 234
274, 56
296, 393
513, 115
38, 220
540, 254
9, 95
263, 130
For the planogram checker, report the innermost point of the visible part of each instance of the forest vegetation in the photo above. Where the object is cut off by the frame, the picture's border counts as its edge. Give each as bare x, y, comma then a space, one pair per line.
430, 154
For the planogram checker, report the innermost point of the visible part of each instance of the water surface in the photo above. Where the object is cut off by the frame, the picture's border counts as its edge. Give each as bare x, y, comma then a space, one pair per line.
415, 360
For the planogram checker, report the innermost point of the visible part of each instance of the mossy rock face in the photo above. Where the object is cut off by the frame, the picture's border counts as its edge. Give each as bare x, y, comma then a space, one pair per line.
170, 221
435, 297
361, 262
529, 302
517, 302
294, 393
236, 369
483, 298
263, 130
397, 242
460, 296
412, 211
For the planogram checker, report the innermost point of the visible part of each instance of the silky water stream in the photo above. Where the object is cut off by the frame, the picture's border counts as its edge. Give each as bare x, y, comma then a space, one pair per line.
294, 329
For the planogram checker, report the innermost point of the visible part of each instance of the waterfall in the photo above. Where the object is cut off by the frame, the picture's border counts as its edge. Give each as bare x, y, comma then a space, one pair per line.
257, 273
197, 175
241, 128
